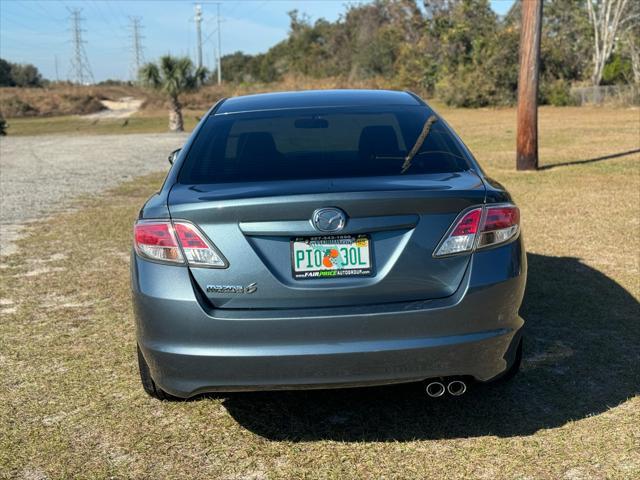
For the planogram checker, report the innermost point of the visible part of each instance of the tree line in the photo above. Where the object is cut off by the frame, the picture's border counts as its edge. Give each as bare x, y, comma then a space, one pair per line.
457, 50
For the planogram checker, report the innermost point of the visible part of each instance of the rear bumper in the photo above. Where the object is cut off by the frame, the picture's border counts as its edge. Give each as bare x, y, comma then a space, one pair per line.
192, 349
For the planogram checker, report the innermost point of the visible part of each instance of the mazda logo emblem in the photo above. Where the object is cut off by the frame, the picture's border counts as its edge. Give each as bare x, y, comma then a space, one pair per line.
329, 219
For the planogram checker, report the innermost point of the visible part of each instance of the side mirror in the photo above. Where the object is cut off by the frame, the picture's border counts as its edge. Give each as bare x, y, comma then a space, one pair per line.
173, 155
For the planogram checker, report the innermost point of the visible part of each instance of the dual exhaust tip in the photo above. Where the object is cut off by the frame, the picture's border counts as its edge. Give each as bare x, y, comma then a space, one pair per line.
437, 389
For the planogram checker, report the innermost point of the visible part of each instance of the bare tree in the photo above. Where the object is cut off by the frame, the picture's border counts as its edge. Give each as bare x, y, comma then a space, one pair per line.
608, 18
632, 42
630, 38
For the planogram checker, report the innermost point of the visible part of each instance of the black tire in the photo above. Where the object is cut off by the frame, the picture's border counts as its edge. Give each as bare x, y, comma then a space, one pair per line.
147, 382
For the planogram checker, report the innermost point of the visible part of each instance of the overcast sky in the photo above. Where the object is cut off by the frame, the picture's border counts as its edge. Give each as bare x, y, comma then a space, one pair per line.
38, 31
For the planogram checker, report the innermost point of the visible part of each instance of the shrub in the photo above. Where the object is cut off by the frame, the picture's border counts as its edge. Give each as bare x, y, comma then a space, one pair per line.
82, 104
14, 106
618, 70
556, 92
472, 87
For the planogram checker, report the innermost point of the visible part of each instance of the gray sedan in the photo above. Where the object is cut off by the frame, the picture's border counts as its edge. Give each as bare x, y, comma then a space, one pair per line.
326, 239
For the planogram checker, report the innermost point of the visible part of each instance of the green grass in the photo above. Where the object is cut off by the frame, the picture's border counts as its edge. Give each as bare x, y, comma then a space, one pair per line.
151, 122
72, 405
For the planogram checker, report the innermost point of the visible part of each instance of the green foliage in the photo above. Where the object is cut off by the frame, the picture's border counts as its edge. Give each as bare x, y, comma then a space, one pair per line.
556, 92
565, 47
5, 73
458, 50
617, 70
479, 59
366, 42
172, 75
237, 67
25, 75
19, 75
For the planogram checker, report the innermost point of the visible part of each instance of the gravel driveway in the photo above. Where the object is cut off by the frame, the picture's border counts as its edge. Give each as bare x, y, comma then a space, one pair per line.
43, 174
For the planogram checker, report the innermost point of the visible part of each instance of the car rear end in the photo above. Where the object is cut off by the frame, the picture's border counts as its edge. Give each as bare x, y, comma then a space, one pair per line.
302, 245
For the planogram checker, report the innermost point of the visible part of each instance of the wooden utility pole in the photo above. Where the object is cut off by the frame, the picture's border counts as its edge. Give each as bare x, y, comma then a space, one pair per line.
527, 143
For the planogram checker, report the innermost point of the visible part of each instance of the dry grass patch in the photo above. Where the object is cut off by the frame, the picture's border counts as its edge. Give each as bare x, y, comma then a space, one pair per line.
72, 405
148, 121
59, 99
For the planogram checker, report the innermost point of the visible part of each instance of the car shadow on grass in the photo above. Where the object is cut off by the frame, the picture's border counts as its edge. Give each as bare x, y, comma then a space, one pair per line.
582, 351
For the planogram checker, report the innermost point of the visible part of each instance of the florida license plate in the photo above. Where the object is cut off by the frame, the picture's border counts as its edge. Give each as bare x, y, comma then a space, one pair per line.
331, 256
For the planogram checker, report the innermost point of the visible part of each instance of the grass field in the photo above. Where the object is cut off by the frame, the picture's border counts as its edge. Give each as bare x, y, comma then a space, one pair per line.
72, 406
153, 121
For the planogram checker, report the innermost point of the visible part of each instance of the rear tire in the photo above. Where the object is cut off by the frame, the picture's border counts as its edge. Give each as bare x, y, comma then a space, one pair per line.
147, 382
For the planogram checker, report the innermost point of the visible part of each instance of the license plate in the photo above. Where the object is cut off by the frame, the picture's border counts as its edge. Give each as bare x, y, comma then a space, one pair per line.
331, 256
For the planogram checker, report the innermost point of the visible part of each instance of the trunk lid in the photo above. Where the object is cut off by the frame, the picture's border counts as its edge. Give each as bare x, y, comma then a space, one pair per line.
252, 224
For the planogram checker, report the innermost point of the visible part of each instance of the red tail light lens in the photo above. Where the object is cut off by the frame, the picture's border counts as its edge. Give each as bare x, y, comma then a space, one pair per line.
468, 224
488, 225
188, 237
166, 242
197, 249
463, 234
500, 224
156, 240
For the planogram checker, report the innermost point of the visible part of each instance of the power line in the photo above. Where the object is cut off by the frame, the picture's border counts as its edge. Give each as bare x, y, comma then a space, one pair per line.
117, 15
40, 11
219, 43
81, 70
137, 58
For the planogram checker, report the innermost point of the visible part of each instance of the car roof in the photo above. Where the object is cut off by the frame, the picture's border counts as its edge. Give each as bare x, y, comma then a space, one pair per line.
316, 98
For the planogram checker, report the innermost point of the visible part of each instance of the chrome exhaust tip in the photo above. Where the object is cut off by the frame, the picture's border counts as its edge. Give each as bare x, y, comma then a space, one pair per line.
456, 388
435, 389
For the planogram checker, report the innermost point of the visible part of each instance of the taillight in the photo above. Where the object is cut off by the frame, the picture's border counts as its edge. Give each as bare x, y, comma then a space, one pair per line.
463, 235
166, 242
197, 249
480, 227
500, 224
156, 240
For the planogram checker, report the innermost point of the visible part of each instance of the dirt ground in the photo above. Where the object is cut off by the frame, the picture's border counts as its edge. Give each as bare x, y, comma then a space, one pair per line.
124, 107
43, 174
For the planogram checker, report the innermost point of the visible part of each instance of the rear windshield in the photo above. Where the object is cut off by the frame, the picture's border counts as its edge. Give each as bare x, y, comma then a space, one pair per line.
337, 142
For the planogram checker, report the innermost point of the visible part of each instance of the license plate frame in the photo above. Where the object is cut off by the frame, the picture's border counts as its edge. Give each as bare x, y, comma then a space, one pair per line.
341, 241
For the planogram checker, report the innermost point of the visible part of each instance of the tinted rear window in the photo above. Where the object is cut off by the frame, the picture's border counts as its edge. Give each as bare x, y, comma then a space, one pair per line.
319, 143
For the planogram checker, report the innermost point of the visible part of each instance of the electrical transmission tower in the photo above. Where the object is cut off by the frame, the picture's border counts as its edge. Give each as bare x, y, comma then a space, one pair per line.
81, 70
137, 58
198, 19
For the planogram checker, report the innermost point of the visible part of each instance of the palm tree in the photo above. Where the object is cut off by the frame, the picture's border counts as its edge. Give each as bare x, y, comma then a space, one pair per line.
173, 76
